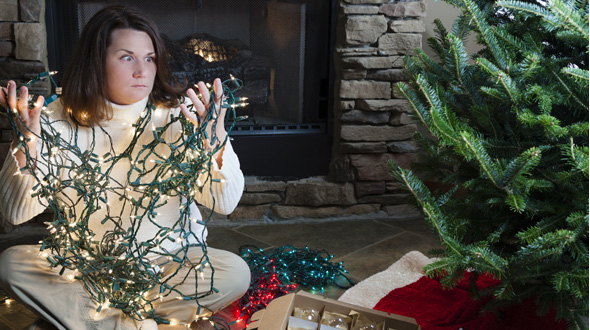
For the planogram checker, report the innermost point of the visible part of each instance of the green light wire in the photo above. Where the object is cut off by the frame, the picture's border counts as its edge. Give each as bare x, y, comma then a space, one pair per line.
116, 271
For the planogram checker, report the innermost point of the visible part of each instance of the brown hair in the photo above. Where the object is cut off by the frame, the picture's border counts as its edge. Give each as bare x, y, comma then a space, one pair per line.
85, 93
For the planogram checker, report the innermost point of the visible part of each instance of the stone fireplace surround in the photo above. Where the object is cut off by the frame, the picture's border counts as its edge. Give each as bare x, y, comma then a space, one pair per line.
371, 123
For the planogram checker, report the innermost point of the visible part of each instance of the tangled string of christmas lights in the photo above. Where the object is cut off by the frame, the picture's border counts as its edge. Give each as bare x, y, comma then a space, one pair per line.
116, 270
279, 271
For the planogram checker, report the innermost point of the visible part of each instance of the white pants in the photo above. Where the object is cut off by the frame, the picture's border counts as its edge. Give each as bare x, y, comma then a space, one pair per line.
65, 303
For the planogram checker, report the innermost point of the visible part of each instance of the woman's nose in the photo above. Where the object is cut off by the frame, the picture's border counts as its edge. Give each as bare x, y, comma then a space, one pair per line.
139, 69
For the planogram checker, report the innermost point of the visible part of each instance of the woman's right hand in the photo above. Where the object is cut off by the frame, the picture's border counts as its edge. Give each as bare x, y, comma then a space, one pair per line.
29, 123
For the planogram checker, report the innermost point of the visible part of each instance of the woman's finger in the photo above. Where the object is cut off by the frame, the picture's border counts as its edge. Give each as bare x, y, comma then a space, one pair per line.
205, 96
36, 112
12, 95
218, 91
189, 115
199, 106
23, 101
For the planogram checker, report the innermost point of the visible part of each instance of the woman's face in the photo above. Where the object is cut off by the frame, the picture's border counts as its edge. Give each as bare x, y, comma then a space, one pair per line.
130, 66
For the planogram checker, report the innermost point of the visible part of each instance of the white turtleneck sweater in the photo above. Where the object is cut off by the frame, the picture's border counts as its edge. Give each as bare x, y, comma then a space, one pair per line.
222, 196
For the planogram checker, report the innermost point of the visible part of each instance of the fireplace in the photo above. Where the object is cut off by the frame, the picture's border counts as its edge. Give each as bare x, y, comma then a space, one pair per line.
281, 50
367, 126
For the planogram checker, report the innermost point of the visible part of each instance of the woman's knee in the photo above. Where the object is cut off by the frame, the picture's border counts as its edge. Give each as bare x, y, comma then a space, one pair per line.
242, 275
236, 272
9, 261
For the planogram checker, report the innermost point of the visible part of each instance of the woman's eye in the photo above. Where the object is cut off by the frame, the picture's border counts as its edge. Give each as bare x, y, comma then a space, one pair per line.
127, 58
150, 59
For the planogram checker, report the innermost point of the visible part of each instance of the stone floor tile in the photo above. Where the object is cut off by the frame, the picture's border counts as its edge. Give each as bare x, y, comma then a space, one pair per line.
378, 257
337, 238
230, 240
4, 325
15, 316
414, 225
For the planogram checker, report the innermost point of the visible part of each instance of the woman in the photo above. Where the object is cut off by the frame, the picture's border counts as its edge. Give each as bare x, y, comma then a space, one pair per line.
118, 69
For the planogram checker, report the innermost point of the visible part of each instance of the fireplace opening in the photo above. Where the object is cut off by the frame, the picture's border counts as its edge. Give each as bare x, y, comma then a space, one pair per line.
280, 49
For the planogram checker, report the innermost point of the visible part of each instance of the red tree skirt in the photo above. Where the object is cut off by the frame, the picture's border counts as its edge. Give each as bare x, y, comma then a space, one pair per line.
437, 309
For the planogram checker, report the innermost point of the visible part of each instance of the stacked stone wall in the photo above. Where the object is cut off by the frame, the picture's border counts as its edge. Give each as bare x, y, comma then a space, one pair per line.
22, 57
372, 122
371, 119
22, 42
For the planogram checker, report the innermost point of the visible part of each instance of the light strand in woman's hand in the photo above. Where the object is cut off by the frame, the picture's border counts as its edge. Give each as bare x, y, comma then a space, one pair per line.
28, 123
208, 111
115, 270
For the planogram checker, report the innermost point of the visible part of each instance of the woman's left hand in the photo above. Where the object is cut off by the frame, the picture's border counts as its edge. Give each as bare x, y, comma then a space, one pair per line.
202, 105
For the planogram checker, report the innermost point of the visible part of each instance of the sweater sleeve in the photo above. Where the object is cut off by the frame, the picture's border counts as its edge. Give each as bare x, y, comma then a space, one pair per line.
16, 202
223, 190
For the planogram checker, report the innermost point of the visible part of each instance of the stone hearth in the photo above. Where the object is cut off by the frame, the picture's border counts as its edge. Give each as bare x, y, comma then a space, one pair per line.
371, 123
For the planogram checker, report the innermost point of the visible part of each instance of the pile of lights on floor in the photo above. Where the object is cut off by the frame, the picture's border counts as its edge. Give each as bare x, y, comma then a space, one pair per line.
280, 271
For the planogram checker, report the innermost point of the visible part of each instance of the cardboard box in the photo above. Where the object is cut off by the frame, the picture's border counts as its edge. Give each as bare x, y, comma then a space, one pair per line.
279, 312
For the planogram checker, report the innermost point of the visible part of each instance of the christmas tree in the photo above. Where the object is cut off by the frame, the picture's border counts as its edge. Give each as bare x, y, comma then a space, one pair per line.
508, 133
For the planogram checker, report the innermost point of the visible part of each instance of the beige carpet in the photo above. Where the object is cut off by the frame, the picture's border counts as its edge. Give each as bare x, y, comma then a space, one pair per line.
406, 270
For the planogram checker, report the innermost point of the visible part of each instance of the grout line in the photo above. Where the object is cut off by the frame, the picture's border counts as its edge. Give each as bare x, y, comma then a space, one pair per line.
390, 224
5, 321
423, 235
251, 237
256, 239
373, 244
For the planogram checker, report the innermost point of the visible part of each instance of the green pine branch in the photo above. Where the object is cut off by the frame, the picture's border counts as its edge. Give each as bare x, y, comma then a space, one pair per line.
485, 32
577, 73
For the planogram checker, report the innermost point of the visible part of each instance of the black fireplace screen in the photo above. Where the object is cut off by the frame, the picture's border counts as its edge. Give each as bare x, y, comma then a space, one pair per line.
279, 49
